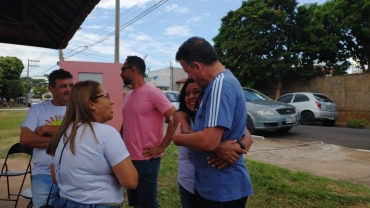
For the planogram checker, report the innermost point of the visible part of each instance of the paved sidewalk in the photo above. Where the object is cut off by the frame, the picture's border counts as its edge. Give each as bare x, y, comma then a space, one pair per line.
14, 109
332, 161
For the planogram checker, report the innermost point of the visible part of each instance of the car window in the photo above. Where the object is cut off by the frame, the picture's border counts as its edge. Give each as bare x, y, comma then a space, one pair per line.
300, 98
322, 98
172, 97
286, 99
251, 95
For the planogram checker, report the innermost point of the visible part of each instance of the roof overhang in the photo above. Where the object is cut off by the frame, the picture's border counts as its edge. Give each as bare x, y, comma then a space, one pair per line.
42, 23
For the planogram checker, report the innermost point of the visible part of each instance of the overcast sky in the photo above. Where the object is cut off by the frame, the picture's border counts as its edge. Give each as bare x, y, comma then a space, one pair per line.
157, 35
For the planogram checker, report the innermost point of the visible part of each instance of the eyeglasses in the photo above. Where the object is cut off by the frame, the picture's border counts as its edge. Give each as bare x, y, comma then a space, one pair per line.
127, 67
106, 95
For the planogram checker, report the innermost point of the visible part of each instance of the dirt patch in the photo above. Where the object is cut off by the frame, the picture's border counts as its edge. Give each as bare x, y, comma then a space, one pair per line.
332, 161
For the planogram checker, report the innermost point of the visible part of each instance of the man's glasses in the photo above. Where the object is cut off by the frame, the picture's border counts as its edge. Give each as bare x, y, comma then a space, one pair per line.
106, 95
125, 67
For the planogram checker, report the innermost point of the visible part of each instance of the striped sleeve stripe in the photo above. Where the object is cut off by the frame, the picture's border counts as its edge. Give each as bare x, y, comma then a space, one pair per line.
215, 101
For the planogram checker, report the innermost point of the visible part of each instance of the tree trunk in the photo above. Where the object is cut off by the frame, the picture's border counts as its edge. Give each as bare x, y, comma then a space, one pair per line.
278, 88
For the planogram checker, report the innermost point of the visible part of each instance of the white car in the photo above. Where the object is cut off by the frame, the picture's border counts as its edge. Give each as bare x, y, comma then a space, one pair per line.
312, 106
173, 97
33, 102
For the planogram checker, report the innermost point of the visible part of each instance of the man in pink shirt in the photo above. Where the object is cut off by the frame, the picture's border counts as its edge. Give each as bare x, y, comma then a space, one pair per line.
143, 112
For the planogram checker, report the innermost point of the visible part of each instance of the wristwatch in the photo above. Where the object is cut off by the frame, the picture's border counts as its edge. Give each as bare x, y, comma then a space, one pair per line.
241, 144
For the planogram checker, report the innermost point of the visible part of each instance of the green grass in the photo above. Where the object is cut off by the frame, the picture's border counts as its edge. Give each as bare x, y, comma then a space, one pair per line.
10, 122
273, 186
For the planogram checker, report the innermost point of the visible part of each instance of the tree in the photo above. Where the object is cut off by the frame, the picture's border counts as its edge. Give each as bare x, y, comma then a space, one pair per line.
318, 41
39, 90
48, 96
35, 83
11, 83
355, 23
256, 42
38, 82
12, 88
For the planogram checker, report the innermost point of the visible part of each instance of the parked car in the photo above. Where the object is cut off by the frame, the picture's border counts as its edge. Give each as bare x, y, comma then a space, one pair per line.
312, 106
265, 113
173, 97
33, 102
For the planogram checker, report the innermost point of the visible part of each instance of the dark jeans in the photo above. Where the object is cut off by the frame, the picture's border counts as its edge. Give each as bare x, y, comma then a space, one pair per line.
202, 202
188, 199
145, 194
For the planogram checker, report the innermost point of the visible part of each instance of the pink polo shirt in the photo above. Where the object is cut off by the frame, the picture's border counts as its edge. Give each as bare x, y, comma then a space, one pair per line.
143, 120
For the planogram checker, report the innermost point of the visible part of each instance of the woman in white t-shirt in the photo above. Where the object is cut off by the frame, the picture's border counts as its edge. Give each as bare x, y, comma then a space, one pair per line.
91, 164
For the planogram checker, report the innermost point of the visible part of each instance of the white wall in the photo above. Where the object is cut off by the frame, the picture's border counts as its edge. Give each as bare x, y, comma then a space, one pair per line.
162, 78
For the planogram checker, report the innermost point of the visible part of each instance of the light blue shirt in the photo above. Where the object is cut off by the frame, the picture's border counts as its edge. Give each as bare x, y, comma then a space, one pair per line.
223, 104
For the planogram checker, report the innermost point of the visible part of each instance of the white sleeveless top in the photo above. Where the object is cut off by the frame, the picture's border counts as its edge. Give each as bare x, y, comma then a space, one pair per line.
186, 168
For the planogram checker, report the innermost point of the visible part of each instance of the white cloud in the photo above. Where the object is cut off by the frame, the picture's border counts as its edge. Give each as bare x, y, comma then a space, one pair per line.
198, 18
110, 29
178, 30
177, 9
46, 57
140, 36
111, 4
93, 27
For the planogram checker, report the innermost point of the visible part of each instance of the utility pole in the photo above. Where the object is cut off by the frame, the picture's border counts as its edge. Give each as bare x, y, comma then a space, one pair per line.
116, 40
28, 69
61, 58
171, 67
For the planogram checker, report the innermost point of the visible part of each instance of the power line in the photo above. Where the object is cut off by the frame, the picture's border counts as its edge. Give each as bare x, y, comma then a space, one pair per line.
101, 31
132, 21
45, 71
161, 17
143, 14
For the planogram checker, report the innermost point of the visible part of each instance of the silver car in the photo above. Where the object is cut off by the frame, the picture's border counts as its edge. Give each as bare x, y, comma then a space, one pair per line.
265, 113
312, 106
33, 102
173, 97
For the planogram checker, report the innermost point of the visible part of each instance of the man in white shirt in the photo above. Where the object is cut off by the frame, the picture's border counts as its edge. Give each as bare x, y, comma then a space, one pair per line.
41, 122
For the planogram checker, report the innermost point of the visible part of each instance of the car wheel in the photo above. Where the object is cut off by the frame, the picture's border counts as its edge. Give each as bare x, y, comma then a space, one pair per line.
307, 118
284, 129
250, 126
328, 122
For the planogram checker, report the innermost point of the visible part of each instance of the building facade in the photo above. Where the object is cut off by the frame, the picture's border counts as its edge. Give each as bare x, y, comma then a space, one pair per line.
167, 78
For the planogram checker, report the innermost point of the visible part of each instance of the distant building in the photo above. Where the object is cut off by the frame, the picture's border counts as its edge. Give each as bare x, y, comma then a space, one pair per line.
167, 78
328, 72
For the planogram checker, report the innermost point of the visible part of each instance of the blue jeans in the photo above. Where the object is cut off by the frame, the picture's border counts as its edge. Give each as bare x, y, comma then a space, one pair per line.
188, 199
145, 194
40, 188
65, 203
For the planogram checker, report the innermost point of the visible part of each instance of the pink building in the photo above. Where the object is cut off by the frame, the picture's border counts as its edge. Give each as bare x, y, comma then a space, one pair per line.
108, 74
